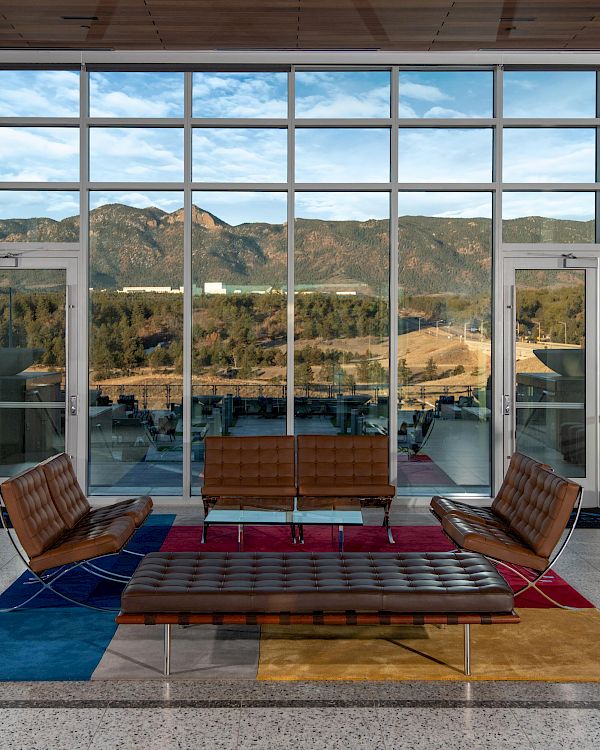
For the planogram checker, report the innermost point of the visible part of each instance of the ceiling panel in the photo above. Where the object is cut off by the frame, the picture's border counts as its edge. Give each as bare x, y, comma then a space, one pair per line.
301, 24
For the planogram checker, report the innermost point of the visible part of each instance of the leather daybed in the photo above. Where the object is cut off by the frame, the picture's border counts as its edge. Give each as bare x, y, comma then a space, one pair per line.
455, 588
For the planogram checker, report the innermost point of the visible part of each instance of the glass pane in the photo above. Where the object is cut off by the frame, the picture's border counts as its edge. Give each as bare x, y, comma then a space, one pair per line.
549, 93
136, 154
239, 155
341, 313
342, 155
239, 94
445, 155
39, 154
444, 93
239, 267
136, 332
549, 155
32, 367
137, 94
548, 217
39, 93
343, 93
39, 216
550, 367
444, 343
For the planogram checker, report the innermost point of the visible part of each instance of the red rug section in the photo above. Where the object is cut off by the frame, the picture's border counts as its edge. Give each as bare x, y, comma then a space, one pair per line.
358, 539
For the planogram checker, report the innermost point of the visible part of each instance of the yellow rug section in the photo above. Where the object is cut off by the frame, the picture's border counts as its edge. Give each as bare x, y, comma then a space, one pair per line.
548, 644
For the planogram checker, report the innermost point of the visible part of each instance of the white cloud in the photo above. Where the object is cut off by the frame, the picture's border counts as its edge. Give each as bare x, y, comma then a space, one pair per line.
446, 205
36, 204
136, 154
136, 94
342, 155
39, 154
575, 206
240, 95
422, 92
239, 155
29, 93
445, 155
342, 206
549, 155
444, 112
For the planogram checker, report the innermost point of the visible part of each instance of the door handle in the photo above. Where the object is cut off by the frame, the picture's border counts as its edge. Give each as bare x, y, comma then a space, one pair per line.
73, 406
506, 408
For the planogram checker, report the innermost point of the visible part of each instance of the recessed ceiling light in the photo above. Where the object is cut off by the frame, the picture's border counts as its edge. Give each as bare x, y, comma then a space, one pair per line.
80, 18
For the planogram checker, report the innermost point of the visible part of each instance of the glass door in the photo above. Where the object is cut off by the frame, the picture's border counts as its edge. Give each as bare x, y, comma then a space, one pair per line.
550, 378
38, 395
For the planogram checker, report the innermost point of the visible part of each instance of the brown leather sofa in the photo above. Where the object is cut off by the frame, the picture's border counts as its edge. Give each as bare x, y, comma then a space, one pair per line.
249, 472
55, 524
525, 522
453, 588
333, 469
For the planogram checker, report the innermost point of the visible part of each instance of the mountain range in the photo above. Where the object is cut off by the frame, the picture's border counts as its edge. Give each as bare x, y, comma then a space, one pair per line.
143, 247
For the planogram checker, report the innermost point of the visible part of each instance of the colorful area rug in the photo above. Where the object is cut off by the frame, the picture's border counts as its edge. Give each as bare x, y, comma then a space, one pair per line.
421, 471
588, 519
55, 641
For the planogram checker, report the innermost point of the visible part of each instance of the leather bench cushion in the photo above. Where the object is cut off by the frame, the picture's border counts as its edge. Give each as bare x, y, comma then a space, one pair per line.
248, 490
249, 461
136, 508
346, 489
328, 503
442, 506
66, 493
87, 540
491, 539
307, 582
253, 503
35, 518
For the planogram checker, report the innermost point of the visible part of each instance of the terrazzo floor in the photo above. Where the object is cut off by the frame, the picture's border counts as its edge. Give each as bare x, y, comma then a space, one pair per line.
244, 713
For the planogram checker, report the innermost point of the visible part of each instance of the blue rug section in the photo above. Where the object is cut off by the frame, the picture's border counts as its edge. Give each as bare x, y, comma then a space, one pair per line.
54, 644
589, 519
87, 588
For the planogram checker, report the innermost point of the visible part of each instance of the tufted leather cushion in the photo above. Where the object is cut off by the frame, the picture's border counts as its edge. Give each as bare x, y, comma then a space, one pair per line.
493, 540
541, 520
512, 493
73, 505
249, 466
344, 465
64, 488
87, 540
308, 582
514, 488
34, 516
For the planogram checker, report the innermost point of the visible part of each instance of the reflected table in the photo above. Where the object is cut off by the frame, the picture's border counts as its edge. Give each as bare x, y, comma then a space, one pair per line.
295, 519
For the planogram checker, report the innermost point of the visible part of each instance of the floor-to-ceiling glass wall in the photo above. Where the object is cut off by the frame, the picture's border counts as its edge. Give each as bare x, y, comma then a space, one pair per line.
298, 174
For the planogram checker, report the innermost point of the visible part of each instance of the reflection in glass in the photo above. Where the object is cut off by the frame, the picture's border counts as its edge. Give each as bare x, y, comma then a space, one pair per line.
445, 155
39, 93
136, 354
239, 271
549, 93
446, 93
550, 368
259, 94
549, 155
39, 216
341, 380
444, 343
32, 367
343, 93
136, 154
137, 94
548, 217
39, 154
239, 155
342, 155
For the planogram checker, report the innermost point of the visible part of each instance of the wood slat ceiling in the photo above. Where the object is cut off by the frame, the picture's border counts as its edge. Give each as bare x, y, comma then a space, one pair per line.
300, 24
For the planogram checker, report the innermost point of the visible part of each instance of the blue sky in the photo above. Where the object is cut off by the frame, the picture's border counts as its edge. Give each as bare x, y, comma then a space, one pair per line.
333, 155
